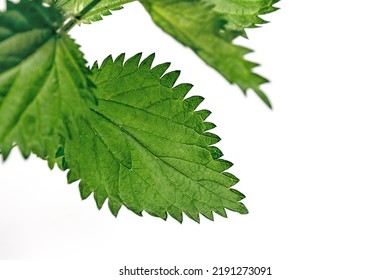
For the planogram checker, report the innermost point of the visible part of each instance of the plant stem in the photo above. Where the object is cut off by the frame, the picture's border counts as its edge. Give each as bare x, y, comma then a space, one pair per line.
89, 7
75, 19
69, 25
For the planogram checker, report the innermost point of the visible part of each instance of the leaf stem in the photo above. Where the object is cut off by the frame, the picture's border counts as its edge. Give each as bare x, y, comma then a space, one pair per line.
69, 25
76, 18
89, 7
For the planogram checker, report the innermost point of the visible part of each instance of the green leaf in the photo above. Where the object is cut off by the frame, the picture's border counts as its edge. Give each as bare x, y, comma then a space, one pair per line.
197, 25
44, 89
242, 14
73, 8
145, 147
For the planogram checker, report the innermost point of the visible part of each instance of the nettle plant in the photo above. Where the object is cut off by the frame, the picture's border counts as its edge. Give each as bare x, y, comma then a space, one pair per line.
124, 129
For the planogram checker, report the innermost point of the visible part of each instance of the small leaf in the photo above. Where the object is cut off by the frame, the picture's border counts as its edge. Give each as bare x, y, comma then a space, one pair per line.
145, 148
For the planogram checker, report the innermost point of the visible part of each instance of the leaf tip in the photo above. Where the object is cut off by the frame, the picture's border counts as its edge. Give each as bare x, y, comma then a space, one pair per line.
107, 61
146, 64
193, 102
133, 61
170, 78
182, 90
120, 59
264, 97
242, 209
160, 69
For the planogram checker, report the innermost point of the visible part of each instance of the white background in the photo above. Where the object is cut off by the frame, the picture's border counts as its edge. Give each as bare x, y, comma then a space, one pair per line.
315, 170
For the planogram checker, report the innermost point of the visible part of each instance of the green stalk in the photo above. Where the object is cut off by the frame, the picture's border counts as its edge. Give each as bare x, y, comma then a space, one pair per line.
89, 7
75, 19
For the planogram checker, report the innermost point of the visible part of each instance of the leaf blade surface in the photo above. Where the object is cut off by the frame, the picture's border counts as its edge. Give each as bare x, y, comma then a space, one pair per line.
145, 147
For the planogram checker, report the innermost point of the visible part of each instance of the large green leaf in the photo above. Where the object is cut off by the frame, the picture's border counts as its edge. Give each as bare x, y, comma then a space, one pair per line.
73, 8
44, 89
145, 147
197, 25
